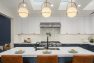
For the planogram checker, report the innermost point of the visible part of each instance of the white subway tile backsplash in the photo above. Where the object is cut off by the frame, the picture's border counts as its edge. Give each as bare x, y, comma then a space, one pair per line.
57, 37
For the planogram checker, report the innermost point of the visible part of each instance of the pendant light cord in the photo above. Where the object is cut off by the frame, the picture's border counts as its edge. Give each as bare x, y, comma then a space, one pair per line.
71, 3
23, 1
46, 3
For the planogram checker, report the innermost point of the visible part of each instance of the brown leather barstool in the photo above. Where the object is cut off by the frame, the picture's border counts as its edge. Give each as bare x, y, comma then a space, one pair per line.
11, 59
47, 59
82, 59
93, 58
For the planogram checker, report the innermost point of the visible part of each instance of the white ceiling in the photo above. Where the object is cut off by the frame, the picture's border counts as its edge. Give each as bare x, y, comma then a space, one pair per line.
34, 6
58, 4
90, 6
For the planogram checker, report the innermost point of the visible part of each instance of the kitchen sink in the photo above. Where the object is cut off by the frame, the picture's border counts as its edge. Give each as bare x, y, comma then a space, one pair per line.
53, 48
48, 49
40, 49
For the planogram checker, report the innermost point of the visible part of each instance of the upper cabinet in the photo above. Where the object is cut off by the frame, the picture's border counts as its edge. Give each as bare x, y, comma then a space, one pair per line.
77, 25
26, 26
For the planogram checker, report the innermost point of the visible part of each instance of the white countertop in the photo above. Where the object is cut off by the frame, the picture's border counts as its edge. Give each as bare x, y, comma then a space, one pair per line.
63, 52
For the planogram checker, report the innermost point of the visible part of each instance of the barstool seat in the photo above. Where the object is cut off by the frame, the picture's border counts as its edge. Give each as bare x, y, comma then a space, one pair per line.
47, 59
82, 59
11, 59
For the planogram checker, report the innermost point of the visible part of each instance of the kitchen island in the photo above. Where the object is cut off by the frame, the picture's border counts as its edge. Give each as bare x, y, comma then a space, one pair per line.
62, 52
65, 54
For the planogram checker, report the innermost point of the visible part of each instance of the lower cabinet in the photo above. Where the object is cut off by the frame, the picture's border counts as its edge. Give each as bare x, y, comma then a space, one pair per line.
88, 47
91, 48
24, 45
85, 46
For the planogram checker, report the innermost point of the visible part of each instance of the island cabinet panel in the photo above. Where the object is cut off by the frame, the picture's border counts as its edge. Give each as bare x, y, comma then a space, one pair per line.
29, 59
60, 59
5, 30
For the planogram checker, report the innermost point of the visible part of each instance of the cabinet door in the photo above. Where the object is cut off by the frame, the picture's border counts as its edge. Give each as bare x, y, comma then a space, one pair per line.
85, 46
91, 48
29, 27
5, 30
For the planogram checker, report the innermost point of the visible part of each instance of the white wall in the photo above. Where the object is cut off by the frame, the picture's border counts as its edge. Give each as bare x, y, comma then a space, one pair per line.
92, 24
70, 29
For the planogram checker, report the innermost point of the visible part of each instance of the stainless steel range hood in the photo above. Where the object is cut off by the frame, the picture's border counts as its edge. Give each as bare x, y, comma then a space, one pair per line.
50, 25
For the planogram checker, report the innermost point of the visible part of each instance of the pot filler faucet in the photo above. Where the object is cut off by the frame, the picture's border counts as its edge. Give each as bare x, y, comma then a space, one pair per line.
48, 34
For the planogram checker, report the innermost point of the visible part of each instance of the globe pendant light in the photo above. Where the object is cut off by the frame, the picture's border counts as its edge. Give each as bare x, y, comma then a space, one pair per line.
72, 9
23, 11
46, 9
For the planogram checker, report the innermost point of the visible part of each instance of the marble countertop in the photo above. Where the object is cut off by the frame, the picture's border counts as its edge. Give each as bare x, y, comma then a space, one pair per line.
63, 52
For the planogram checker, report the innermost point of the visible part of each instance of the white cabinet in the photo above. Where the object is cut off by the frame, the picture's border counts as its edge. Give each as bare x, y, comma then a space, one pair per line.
79, 25
31, 27
27, 26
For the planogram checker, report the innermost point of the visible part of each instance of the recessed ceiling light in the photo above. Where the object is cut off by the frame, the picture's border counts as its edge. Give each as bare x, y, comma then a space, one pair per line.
52, 5
38, 0
79, 5
64, 0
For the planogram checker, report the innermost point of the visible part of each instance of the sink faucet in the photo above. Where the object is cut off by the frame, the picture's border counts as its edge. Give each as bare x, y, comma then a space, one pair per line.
48, 34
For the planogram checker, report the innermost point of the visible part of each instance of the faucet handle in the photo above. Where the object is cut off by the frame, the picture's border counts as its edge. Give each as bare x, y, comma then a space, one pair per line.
49, 34
35, 46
